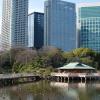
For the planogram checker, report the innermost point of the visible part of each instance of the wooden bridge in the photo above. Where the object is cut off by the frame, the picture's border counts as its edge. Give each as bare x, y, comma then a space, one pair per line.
6, 79
18, 75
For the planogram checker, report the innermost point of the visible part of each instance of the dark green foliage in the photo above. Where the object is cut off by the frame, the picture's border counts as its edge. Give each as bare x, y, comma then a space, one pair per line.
57, 60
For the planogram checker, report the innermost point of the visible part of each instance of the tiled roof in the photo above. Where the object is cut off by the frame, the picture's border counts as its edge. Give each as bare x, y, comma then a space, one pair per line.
76, 65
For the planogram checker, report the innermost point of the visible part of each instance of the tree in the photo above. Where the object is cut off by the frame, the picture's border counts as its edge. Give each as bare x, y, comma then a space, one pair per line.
25, 57
5, 61
57, 60
83, 52
48, 51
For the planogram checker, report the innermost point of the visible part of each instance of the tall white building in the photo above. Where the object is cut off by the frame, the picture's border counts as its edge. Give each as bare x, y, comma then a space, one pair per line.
14, 24
60, 24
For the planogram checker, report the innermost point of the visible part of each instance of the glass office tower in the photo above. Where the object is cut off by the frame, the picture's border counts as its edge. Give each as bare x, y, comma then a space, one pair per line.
60, 24
89, 26
14, 24
36, 30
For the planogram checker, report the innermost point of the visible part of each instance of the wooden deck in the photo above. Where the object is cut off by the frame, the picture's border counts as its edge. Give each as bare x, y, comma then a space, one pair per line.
75, 76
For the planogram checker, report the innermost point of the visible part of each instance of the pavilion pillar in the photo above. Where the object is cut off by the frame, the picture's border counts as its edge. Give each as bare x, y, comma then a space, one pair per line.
64, 79
85, 79
68, 79
72, 78
90, 78
58, 79
81, 80
61, 79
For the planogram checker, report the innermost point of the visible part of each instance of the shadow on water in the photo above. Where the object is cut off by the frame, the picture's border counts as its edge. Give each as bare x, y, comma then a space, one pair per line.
45, 90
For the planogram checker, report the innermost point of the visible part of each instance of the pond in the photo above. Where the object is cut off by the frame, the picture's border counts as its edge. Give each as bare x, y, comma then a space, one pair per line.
45, 90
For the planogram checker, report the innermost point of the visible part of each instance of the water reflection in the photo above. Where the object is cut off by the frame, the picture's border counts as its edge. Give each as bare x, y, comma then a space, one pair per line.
80, 91
45, 90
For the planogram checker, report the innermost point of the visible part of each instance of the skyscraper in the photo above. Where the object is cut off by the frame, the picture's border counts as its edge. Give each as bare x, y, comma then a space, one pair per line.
89, 25
60, 24
36, 30
14, 24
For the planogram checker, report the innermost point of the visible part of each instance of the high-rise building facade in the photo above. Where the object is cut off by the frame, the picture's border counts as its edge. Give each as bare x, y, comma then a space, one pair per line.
89, 26
60, 24
0, 43
36, 30
14, 24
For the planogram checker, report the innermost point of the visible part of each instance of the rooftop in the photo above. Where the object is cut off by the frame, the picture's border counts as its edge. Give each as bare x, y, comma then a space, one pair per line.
93, 4
76, 65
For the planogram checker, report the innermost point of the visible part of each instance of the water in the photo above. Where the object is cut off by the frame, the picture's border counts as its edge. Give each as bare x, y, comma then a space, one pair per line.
51, 91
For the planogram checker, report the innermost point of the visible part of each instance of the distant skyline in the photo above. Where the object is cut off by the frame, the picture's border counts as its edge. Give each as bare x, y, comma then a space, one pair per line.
38, 6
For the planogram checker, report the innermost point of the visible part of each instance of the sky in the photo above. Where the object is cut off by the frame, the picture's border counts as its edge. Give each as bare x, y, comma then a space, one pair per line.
38, 5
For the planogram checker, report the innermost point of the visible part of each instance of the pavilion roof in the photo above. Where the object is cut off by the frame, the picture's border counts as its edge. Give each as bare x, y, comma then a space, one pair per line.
77, 65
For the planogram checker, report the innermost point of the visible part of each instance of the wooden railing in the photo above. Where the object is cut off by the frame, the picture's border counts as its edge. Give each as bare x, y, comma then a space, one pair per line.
76, 74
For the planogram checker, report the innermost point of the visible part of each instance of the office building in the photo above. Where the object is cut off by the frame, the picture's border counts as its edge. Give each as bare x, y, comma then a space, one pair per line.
89, 25
36, 30
60, 24
0, 43
14, 24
